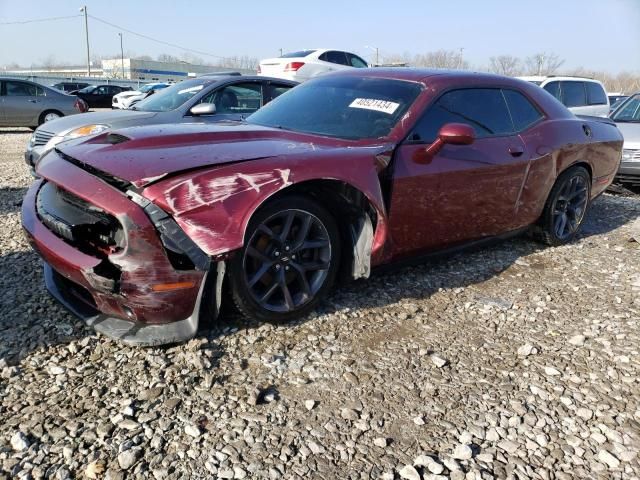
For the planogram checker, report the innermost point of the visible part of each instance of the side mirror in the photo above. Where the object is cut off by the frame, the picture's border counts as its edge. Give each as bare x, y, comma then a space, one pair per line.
451, 134
203, 109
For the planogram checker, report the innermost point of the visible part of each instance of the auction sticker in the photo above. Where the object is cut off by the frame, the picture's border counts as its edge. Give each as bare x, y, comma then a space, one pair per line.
375, 104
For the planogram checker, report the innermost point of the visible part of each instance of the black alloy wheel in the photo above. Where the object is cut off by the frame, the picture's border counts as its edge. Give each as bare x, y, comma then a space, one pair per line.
566, 207
289, 260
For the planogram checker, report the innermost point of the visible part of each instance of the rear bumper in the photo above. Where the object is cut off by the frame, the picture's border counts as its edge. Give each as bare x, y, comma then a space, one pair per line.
127, 331
629, 172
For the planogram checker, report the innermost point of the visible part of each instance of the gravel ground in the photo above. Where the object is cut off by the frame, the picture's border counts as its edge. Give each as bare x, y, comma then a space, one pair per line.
516, 361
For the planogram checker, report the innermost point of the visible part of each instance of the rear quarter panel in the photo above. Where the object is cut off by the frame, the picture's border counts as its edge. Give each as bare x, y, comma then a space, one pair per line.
555, 146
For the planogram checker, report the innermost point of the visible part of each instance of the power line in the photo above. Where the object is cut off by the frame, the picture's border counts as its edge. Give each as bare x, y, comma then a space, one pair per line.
155, 39
36, 20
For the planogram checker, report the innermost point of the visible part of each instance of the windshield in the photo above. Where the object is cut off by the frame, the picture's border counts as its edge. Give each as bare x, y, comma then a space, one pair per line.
145, 88
343, 107
88, 89
629, 111
171, 97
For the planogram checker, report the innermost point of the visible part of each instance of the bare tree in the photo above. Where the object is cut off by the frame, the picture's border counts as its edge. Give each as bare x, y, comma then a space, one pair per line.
165, 57
543, 63
505, 65
441, 59
243, 62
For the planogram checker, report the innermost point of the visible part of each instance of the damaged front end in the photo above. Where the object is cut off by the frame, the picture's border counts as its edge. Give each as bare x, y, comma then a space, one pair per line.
124, 266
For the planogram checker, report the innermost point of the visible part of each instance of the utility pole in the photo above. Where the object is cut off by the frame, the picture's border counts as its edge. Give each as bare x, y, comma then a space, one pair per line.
377, 57
121, 54
280, 52
86, 31
540, 63
460, 58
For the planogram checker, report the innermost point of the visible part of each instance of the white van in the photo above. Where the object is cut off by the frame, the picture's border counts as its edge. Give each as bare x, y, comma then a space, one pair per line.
583, 96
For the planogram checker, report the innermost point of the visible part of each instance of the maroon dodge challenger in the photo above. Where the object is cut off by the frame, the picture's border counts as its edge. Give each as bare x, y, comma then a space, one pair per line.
145, 231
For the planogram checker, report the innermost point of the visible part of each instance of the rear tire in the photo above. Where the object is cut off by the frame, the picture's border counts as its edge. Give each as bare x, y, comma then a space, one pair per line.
566, 207
49, 115
289, 260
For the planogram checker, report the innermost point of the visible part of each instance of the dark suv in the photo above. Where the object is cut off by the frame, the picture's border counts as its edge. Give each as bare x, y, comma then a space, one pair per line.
69, 86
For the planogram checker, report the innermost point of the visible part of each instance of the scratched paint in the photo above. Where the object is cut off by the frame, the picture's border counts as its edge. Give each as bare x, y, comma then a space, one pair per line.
188, 195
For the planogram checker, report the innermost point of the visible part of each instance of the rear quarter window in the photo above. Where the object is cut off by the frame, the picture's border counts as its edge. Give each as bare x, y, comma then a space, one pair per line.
554, 89
523, 112
573, 94
595, 94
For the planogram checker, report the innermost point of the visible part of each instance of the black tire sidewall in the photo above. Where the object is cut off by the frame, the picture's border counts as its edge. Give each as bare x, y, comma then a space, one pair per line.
547, 218
239, 290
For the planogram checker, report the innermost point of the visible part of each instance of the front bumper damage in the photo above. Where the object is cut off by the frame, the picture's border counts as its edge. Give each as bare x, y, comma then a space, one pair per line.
116, 292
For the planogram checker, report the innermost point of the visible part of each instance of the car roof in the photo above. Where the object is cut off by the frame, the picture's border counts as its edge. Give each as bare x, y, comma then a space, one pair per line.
422, 74
544, 78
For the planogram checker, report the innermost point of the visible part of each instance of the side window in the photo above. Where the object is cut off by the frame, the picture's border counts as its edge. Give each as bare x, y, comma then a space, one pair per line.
356, 61
573, 94
554, 89
20, 89
595, 94
523, 112
239, 98
100, 91
482, 108
335, 57
275, 90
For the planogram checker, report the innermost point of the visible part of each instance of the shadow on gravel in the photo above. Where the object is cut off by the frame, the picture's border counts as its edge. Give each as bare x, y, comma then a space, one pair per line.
30, 319
11, 199
16, 131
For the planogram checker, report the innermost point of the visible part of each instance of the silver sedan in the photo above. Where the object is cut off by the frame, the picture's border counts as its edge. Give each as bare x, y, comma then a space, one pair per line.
28, 104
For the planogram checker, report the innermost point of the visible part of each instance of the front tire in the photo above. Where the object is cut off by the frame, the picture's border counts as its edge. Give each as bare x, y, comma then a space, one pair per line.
289, 260
566, 207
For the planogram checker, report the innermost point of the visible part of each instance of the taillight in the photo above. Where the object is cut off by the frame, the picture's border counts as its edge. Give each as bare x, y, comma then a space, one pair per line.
293, 66
80, 105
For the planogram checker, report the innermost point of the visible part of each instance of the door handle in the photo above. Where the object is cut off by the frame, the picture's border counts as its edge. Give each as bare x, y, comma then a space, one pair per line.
33, 101
516, 151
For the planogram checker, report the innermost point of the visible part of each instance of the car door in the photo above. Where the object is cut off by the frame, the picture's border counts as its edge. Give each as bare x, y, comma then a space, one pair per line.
21, 103
464, 192
334, 60
233, 101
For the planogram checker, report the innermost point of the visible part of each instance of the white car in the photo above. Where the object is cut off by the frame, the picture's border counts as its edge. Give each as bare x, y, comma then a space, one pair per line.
583, 96
125, 100
305, 64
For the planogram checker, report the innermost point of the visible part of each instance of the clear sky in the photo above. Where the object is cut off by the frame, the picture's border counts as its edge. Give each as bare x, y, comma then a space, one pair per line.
595, 34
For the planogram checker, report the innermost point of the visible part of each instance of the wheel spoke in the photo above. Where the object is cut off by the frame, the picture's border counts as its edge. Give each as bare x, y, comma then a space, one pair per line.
282, 281
260, 273
286, 228
314, 265
272, 289
268, 232
312, 244
306, 288
255, 253
303, 232
561, 223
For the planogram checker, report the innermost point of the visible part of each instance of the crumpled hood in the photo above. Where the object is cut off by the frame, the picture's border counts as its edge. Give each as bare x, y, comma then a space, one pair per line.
142, 155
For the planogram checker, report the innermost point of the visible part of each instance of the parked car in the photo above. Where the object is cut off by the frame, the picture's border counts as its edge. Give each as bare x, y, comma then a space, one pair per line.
139, 228
124, 100
28, 104
305, 64
615, 100
627, 118
99, 96
69, 86
204, 99
582, 96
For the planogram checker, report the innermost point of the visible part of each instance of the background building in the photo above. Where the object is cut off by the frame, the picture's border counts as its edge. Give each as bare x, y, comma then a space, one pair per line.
154, 71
